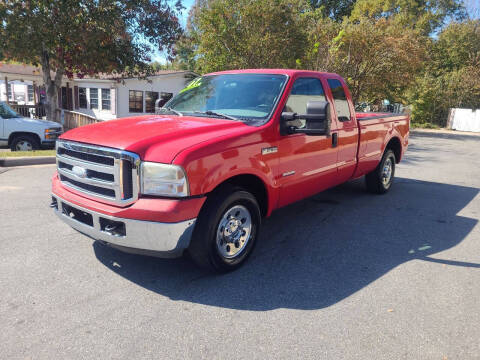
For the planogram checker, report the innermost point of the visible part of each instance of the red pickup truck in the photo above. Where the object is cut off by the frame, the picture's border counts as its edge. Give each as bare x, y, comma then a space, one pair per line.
201, 173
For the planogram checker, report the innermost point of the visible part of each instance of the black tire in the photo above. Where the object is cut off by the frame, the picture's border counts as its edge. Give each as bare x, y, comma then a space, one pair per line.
204, 249
28, 140
376, 180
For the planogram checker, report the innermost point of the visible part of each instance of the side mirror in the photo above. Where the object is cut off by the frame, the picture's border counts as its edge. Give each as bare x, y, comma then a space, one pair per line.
158, 105
318, 119
162, 100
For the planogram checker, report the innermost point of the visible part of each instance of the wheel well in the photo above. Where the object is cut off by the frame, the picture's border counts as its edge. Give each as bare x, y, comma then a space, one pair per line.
395, 145
254, 185
19, 133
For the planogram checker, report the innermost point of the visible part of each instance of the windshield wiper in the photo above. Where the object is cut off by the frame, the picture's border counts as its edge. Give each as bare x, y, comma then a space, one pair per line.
214, 113
172, 110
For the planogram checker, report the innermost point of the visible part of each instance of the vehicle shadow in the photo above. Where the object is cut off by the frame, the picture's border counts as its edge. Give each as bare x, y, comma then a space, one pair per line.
316, 252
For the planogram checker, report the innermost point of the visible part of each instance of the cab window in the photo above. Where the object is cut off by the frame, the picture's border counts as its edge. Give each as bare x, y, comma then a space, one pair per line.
6, 112
303, 91
340, 99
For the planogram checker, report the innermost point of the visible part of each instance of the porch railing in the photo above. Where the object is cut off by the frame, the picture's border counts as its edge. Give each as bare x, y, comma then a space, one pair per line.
73, 119
35, 111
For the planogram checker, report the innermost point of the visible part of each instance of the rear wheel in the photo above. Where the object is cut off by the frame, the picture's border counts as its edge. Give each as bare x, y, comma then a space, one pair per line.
380, 180
24, 143
226, 230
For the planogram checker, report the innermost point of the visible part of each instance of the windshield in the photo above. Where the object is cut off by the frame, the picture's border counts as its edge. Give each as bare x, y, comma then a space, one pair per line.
232, 96
7, 112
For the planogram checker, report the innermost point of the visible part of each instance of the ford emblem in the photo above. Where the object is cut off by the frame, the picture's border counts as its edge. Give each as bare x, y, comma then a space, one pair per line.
79, 172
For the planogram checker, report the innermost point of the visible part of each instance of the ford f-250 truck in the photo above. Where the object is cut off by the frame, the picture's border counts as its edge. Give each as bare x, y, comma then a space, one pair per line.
201, 173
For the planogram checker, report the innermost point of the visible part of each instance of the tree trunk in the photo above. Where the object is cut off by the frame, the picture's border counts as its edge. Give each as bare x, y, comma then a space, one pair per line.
51, 87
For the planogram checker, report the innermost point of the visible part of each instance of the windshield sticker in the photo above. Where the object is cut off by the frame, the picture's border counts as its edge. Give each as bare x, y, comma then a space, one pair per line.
195, 83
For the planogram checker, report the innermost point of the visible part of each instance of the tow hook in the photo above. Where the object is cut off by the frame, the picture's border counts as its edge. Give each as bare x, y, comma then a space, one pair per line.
114, 228
110, 228
54, 203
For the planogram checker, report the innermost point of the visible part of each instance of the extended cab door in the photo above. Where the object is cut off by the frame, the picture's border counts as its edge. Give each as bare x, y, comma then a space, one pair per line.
307, 163
347, 128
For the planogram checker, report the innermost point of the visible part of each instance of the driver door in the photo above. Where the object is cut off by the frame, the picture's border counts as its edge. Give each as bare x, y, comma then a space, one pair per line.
307, 163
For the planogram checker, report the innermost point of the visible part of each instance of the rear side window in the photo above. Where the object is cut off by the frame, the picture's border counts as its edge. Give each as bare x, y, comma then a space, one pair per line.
340, 99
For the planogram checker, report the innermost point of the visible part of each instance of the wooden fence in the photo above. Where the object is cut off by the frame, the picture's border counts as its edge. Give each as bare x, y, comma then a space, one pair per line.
72, 119
35, 111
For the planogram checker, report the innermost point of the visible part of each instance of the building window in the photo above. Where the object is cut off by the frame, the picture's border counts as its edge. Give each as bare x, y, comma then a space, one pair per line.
150, 98
105, 99
135, 101
93, 98
30, 93
82, 98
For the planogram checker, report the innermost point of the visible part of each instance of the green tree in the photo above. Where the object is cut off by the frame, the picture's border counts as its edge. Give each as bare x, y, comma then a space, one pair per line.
334, 9
425, 15
238, 34
82, 37
184, 52
377, 58
451, 77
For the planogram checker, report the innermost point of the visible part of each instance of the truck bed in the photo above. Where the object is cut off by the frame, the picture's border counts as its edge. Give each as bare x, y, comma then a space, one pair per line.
375, 131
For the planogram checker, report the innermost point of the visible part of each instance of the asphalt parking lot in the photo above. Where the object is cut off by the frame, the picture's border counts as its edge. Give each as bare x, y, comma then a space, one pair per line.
342, 275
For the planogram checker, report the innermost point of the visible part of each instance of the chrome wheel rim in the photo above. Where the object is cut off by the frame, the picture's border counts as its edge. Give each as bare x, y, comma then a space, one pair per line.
24, 145
387, 172
234, 231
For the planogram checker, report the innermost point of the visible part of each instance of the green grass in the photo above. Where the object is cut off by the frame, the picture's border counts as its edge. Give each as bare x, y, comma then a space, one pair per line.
4, 154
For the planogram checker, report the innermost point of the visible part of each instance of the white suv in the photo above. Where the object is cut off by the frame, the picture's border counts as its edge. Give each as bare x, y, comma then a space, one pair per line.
24, 134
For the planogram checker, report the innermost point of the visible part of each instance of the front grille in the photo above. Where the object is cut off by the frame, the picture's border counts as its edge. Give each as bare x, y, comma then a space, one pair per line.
98, 190
109, 175
105, 160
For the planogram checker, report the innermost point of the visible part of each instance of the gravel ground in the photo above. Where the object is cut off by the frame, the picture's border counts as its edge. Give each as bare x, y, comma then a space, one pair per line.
342, 275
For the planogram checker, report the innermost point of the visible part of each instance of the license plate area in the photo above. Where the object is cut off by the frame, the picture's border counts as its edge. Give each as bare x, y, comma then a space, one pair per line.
77, 215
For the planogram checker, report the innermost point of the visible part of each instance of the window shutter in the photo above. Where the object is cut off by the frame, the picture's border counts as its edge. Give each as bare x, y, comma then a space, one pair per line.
59, 95
75, 96
113, 101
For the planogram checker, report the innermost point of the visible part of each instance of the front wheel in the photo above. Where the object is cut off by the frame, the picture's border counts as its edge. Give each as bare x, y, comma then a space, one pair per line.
24, 143
226, 230
380, 180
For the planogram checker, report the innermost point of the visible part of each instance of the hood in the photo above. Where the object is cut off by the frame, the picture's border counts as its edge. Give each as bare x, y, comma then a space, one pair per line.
44, 124
154, 137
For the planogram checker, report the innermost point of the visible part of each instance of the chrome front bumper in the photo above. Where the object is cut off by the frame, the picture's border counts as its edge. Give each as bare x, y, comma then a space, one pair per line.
162, 239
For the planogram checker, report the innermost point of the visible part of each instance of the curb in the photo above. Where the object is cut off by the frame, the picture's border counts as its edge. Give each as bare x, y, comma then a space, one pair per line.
444, 131
27, 160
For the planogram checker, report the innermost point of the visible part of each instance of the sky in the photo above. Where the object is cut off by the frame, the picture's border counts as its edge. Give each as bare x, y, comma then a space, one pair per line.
188, 4
473, 8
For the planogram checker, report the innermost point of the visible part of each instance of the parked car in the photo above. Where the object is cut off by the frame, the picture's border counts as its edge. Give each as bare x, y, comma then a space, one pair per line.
225, 152
25, 134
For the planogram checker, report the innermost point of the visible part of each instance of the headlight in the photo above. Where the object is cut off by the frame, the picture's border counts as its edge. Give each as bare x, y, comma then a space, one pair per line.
52, 133
163, 180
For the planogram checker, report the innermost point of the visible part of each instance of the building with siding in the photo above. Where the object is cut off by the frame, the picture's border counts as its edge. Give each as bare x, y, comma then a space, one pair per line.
102, 97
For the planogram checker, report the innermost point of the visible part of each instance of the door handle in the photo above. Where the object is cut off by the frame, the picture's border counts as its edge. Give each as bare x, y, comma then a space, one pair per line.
334, 140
